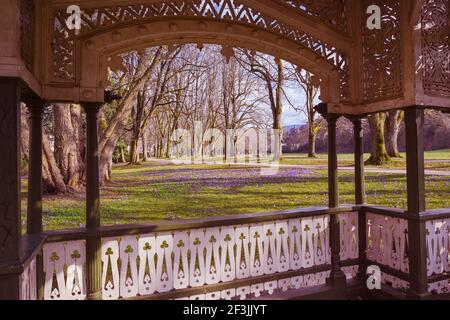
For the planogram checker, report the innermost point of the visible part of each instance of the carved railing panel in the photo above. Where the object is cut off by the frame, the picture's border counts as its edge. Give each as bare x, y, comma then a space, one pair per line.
64, 268
438, 244
382, 58
95, 19
201, 257
387, 244
436, 47
438, 253
28, 280
148, 264
348, 223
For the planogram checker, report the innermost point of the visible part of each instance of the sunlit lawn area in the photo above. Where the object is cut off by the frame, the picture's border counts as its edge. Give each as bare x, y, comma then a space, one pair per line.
434, 160
151, 192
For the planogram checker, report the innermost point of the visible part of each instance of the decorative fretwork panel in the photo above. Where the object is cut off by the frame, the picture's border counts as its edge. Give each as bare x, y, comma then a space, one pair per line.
382, 58
27, 35
439, 287
438, 245
332, 12
387, 241
64, 268
348, 223
95, 19
28, 280
159, 263
436, 47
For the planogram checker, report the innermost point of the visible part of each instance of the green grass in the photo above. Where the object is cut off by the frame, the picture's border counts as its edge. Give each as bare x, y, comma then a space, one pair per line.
148, 192
434, 160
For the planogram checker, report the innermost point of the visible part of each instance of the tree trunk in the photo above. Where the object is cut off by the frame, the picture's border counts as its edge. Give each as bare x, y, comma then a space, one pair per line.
122, 155
393, 122
66, 147
118, 122
51, 175
144, 148
379, 154
311, 142
134, 152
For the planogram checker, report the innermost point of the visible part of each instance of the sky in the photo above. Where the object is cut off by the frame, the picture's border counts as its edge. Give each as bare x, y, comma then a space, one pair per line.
290, 116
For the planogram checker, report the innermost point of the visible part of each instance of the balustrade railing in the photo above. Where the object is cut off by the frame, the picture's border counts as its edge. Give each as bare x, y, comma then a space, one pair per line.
242, 257
219, 262
387, 245
438, 254
28, 280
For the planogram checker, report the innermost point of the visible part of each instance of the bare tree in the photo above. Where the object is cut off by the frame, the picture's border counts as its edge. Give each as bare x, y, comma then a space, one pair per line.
306, 82
271, 71
393, 123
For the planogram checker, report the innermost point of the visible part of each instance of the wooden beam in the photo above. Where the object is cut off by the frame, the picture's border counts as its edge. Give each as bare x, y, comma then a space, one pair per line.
10, 219
311, 25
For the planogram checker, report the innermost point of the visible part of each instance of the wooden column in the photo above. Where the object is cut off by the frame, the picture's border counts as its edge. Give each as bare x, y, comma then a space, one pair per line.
360, 189
337, 277
333, 190
10, 220
93, 243
414, 119
34, 208
360, 192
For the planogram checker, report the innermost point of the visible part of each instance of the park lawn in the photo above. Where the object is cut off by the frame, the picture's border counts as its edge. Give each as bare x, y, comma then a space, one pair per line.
434, 160
151, 192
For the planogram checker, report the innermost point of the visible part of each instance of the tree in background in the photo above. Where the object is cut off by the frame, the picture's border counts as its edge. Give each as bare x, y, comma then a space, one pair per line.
271, 71
310, 87
393, 123
378, 155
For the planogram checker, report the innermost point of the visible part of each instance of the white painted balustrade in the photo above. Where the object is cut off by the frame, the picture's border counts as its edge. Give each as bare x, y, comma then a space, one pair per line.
387, 244
28, 281
157, 263
438, 253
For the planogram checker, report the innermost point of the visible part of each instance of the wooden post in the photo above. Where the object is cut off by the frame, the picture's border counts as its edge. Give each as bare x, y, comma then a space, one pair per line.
360, 189
34, 208
93, 243
10, 220
333, 190
414, 119
360, 192
337, 277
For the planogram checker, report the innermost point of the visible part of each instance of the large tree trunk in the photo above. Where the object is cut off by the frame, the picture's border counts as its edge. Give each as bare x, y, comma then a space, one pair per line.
393, 123
67, 143
134, 152
51, 175
144, 148
24, 133
311, 142
118, 122
379, 154
122, 155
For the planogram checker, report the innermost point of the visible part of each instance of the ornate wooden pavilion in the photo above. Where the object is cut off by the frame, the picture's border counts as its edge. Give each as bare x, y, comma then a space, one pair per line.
299, 253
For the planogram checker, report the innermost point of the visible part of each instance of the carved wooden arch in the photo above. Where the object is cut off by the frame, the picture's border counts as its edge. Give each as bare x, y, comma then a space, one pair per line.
67, 55
97, 50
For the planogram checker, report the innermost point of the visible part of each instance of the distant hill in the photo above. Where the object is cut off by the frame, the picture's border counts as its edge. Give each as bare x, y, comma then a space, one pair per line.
436, 133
